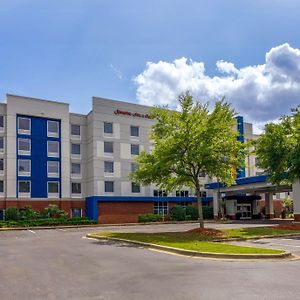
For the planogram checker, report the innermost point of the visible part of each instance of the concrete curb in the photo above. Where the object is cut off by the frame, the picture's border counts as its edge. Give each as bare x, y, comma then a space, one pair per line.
283, 255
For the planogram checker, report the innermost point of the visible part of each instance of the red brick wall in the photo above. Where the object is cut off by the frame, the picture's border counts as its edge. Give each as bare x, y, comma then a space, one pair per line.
122, 212
276, 205
39, 205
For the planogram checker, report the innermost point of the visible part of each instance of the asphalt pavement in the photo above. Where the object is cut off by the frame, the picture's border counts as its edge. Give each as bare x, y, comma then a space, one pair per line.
62, 264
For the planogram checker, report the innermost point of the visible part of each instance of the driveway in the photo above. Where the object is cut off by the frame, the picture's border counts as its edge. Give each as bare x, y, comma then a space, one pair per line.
61, 264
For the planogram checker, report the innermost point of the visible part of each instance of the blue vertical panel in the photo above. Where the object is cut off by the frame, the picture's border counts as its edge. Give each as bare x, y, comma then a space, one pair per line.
240, 127
39, 157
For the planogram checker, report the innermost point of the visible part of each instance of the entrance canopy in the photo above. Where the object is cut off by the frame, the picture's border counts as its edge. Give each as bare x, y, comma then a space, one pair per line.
251, 185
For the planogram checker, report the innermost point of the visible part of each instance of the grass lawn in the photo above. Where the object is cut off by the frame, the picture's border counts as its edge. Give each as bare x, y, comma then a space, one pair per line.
256, 231
188, 241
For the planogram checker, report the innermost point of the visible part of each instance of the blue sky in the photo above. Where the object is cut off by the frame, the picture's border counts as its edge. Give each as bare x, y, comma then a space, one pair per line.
71, 50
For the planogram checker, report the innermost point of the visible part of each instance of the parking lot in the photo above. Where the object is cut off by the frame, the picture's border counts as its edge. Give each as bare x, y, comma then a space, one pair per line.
62, 264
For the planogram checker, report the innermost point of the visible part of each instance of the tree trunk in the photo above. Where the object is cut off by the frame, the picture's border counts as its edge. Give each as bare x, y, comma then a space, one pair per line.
200, 211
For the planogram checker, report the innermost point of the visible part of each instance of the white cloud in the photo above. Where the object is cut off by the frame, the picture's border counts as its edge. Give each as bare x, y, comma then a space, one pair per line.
260, 92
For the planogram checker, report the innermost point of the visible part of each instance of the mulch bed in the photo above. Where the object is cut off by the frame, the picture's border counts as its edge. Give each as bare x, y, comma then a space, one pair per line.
288, 226
207, 231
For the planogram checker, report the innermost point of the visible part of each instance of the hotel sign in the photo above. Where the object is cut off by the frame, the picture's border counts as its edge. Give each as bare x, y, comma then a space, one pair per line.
132, 114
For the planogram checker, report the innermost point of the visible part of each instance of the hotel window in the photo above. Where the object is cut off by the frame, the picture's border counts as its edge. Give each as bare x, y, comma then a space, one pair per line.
1, 123
76, 188
1, 186
182, 193
24, 146
108, 166
160, 193
53, 128
76, 212
53, 148
1, 144
134, 131
135, 149
24, 166
24, 188
24, 125
76, 168
53, 168
108, 127
53, 189
160, 208
108, 186
75, 149
75, 130
134, 167
135, 187
1, 165
108, 147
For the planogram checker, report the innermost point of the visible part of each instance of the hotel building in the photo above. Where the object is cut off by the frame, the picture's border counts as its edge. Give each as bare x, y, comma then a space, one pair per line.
82, 162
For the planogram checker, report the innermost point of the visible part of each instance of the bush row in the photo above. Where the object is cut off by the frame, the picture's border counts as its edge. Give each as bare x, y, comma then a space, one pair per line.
179, 213
150, 218
47, 222
50, 216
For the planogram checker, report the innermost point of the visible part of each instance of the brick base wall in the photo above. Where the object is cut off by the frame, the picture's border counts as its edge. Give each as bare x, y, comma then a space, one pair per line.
39, 205
276, 205
122, 212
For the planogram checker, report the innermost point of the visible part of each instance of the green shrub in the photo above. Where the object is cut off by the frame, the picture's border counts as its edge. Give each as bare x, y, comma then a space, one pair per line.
208, 212
150, 218
12, 214
53, 211
177, 213
188, 217
27, 213
192, 211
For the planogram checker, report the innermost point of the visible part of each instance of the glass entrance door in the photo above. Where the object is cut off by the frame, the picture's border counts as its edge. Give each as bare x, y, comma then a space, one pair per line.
244, 211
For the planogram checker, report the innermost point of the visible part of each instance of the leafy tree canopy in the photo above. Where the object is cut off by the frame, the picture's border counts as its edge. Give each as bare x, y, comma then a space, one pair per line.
278, 149
188, 143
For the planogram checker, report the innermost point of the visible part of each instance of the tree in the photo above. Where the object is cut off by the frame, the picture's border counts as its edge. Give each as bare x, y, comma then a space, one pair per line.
278, 149
188, 143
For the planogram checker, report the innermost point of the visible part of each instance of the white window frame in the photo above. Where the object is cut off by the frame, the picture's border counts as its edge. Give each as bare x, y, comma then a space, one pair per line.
52, 154
109, 173
2, 193
78, 195
75, 136
53, 134
139, 148
2, 149
52, 175
22, 194
2, 171
24, 152
134, 183
78, 156
53, 195
71, 211
109, 154
113, 185
161, 207
135, 136
2, 128
76, 175
20, 173
24, 131
108, 133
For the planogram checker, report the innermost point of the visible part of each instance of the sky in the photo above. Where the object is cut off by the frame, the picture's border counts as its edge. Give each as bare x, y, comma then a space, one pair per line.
149, 52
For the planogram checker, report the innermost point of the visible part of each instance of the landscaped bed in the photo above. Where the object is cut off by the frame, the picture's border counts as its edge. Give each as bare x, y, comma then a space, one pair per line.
208, 239
187, 241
